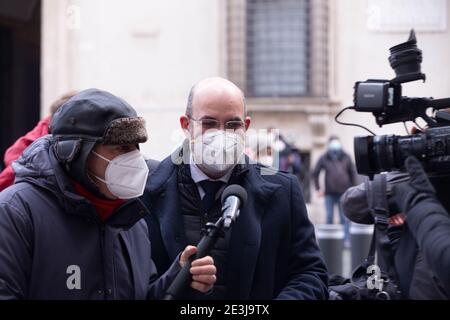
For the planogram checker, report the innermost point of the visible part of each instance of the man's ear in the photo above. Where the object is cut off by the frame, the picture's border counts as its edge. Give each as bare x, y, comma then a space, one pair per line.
247, 122
184, 122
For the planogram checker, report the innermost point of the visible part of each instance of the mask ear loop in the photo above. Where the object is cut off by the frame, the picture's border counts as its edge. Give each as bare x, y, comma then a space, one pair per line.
92, 174
97, 177
100, 156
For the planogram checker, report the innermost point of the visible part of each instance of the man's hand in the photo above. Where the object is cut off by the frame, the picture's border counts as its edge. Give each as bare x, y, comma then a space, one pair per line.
320, 193
408, 193
203, 270
397, 220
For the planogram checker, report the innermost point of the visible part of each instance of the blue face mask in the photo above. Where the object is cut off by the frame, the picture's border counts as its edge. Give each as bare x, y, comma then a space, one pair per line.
335, 145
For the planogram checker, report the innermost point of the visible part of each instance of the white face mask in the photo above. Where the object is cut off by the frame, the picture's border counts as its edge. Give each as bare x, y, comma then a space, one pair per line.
125, 175
266, 160
279, 145
217, 152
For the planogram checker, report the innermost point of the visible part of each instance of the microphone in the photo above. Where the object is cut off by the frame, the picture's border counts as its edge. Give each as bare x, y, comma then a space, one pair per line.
233, 198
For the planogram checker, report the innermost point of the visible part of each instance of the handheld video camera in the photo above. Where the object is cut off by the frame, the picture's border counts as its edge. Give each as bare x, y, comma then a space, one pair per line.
383, 98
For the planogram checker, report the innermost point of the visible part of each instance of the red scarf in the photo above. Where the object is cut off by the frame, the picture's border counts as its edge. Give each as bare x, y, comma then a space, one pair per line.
104, 207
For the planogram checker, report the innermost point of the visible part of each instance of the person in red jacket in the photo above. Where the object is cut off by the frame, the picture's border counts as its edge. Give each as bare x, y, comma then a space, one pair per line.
13, 153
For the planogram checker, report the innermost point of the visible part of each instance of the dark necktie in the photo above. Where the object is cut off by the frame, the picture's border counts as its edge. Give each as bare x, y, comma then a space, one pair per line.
211, 188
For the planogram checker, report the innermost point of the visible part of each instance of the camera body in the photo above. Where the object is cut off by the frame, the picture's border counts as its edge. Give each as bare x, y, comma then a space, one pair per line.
374, 154
383, 98
374, 95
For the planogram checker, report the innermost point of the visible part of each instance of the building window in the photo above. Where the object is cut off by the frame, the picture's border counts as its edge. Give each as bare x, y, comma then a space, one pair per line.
278, 48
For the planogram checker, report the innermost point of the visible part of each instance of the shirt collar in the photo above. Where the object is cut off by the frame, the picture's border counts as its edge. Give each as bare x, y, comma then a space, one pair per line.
198, 175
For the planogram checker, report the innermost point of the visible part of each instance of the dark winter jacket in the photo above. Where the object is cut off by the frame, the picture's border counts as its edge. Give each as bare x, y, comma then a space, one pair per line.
339, 173
272, 253
429, 224
54, 246
416, 278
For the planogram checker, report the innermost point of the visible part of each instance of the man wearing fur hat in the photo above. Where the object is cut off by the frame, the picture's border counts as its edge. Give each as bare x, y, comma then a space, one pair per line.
71, 226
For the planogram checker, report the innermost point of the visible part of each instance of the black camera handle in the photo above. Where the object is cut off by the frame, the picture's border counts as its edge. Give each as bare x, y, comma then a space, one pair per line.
436, 104
413, 108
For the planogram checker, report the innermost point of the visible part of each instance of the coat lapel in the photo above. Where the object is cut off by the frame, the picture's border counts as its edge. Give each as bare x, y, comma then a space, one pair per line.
246, 235
165, 204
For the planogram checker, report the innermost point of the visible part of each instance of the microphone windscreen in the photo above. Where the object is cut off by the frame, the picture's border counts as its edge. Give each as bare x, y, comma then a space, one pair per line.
235, 190
355, 205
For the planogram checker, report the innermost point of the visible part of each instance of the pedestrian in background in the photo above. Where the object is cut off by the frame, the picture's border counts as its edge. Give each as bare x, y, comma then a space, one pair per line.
340, 175
13, 153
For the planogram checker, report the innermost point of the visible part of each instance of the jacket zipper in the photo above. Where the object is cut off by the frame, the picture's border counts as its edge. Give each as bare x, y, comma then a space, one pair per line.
203, 221
102, 248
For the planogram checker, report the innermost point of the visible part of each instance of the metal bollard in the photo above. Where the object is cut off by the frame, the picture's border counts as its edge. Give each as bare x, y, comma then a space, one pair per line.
360, 237
330, 238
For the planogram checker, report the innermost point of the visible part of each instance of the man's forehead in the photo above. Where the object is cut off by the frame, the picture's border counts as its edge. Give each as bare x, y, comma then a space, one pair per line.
212, 95
217, 98
218, 111
223, 103
216, 83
